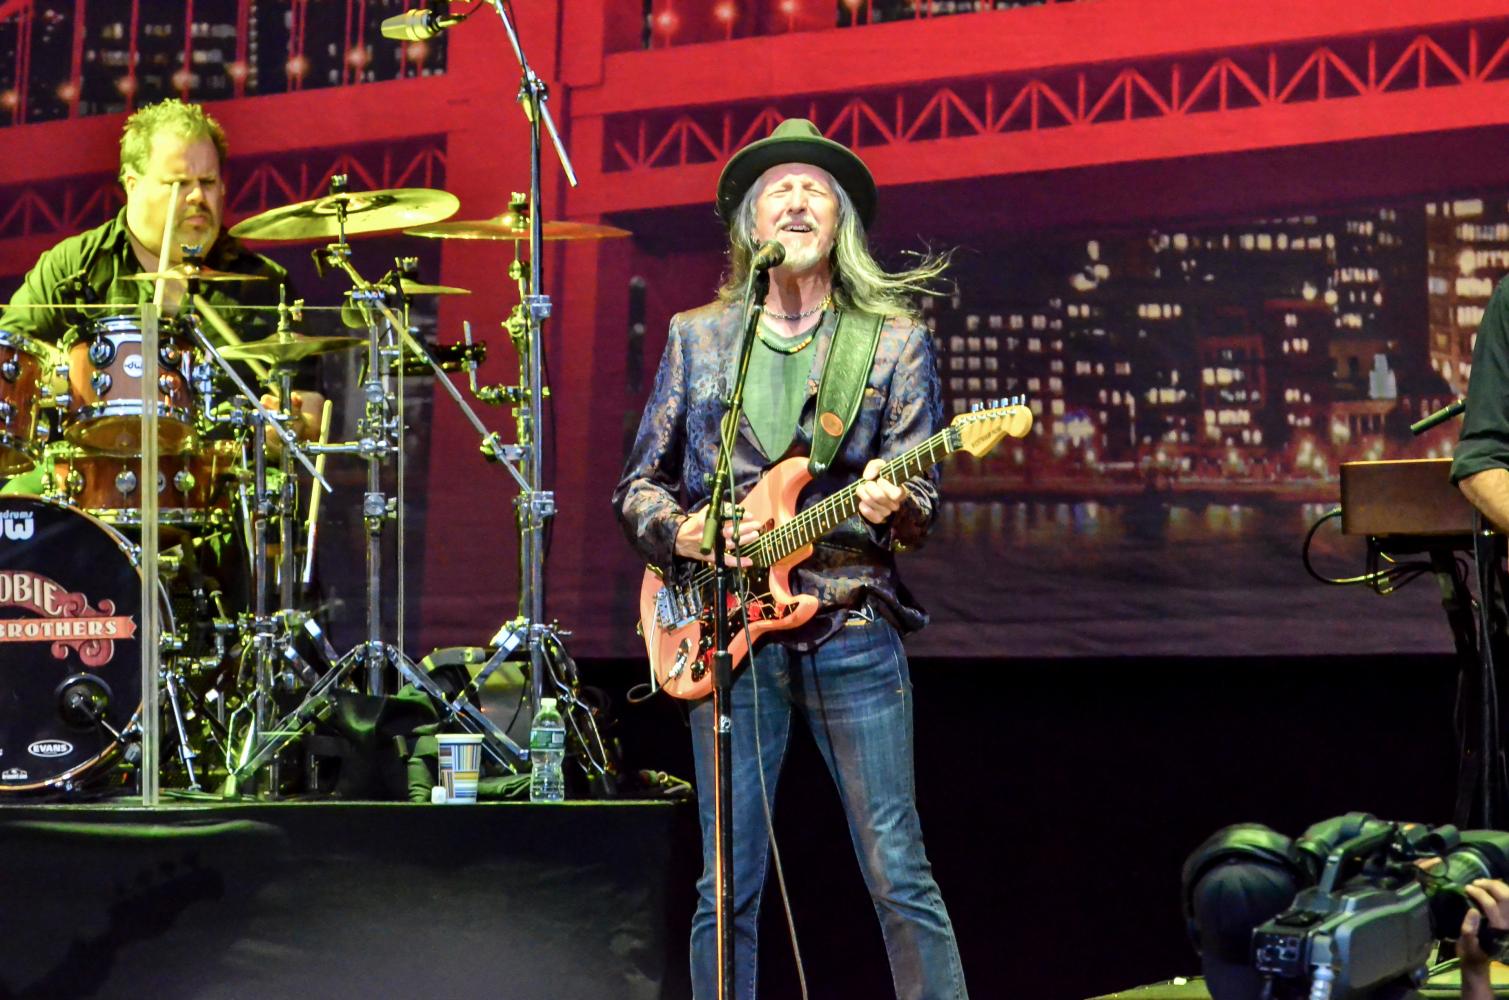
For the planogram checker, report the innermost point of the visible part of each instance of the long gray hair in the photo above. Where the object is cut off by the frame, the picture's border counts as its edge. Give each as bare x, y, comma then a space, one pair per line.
859, 282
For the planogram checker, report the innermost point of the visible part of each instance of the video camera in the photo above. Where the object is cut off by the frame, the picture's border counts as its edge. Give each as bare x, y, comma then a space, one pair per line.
1367, 926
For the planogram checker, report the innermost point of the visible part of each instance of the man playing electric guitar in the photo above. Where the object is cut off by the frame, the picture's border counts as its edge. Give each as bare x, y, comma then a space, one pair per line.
831, 314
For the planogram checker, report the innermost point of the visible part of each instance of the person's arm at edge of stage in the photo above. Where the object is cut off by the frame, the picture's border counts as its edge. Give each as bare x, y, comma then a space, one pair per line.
913, 413
1491, 898
1480, 467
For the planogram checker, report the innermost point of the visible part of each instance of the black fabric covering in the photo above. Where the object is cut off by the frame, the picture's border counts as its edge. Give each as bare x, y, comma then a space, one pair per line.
336, 900
374, 737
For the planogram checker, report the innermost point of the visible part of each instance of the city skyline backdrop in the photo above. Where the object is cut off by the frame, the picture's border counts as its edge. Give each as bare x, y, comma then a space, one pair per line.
1219, 260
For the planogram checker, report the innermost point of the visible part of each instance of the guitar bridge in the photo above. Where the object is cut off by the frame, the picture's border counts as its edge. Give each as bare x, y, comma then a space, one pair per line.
675, 608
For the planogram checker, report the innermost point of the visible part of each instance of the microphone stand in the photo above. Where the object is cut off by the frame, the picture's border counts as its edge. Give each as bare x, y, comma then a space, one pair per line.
536, 506
720, 510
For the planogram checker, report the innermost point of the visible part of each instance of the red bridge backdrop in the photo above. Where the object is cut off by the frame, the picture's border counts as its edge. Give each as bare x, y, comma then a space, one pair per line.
1220, 249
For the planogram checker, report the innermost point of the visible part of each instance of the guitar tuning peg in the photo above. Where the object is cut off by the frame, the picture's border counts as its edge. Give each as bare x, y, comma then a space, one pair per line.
974, 407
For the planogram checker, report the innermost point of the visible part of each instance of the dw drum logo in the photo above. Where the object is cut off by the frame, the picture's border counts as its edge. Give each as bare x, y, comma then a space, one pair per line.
17, 525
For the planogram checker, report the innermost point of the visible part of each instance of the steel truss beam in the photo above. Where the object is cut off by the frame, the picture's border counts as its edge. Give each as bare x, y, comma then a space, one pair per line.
1224, 87
68, 205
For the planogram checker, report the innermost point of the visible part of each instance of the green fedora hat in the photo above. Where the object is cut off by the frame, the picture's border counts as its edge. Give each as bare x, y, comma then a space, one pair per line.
796, 140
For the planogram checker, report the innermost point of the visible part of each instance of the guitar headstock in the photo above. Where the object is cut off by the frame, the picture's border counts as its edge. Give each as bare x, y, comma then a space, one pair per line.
982, 429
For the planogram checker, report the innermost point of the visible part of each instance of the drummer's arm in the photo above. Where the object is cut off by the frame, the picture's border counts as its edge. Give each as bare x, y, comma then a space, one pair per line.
307, 405
42, 286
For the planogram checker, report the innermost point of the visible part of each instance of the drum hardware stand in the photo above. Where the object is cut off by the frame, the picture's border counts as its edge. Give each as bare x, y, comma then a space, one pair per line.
271, 636
534, 507
379, 434
186, 751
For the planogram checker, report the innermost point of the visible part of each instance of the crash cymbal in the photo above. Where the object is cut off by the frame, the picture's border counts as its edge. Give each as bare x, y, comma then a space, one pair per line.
511, 226
415, 288
288, 347
365, 211
193, 272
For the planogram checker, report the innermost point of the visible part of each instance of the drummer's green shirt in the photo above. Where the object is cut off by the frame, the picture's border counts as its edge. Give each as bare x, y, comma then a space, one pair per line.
91, 269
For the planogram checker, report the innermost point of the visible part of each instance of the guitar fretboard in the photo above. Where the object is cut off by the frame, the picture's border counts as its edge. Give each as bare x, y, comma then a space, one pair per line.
836, 508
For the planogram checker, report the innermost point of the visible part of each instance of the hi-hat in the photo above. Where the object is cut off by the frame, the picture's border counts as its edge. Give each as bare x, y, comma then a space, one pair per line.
364, 212
512, 226
193, 272
288, 347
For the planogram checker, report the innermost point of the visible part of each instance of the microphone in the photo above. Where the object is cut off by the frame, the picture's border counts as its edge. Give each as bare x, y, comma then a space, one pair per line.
1442, 415
417, 25
770, 254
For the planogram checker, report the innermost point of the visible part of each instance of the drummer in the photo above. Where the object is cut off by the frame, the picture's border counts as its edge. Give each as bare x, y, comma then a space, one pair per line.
161, 143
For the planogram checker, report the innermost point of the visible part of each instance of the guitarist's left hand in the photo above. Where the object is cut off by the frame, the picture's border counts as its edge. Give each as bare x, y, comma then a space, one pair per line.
878, 498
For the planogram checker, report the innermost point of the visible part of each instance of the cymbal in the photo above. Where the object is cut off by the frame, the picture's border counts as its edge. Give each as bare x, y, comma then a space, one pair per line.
194, 272
288, 347
415, 288
365, 211
512, 226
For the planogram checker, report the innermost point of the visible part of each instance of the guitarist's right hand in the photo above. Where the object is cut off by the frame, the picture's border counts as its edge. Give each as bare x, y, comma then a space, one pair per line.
689, 539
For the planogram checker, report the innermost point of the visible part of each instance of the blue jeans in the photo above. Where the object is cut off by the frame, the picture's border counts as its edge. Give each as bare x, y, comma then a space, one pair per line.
854, 692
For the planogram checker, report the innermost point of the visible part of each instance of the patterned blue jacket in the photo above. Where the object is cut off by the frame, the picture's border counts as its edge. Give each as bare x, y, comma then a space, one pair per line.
676, 446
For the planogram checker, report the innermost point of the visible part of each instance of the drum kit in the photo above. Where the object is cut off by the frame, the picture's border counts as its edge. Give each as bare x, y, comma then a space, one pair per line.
244, 668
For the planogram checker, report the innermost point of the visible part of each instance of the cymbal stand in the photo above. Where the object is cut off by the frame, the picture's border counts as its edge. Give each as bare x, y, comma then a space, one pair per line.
271, 633
376, 306
459, 707
381, 433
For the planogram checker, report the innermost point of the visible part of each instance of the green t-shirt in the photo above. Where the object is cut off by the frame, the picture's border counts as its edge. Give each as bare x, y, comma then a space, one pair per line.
776, 386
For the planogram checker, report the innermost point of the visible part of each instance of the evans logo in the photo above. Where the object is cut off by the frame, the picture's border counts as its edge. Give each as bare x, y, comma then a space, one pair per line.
132, 366
18, 525
50, 748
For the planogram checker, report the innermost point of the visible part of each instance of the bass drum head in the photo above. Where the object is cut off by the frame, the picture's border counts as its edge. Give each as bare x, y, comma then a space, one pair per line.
70, 623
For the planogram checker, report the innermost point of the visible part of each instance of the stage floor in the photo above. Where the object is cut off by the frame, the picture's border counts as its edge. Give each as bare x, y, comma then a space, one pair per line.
338, 900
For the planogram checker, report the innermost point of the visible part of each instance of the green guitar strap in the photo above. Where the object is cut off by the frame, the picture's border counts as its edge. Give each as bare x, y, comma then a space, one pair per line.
845, 375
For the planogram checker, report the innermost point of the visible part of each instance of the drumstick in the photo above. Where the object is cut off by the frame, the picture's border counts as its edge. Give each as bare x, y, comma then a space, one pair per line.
160, 286
314, 496
226, 333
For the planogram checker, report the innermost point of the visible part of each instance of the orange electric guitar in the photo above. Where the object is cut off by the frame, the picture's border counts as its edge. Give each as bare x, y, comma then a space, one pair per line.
674, 614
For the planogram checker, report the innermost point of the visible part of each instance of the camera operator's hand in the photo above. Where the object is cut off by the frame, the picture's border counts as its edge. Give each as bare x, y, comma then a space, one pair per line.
1491, 899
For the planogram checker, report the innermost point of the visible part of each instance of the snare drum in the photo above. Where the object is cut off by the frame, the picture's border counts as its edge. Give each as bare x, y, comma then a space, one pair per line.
191, 487
70, 617
104, 386
21, 365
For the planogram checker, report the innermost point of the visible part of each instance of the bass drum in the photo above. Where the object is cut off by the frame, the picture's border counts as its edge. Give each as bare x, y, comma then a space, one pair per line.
70, 643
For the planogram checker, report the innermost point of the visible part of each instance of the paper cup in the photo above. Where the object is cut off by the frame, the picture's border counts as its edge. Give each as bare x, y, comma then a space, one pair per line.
460, 765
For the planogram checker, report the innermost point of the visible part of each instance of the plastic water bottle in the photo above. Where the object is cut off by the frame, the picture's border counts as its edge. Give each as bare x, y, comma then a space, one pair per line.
547, 752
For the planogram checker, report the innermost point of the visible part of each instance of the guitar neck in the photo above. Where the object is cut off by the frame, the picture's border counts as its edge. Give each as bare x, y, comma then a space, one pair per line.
821, 518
